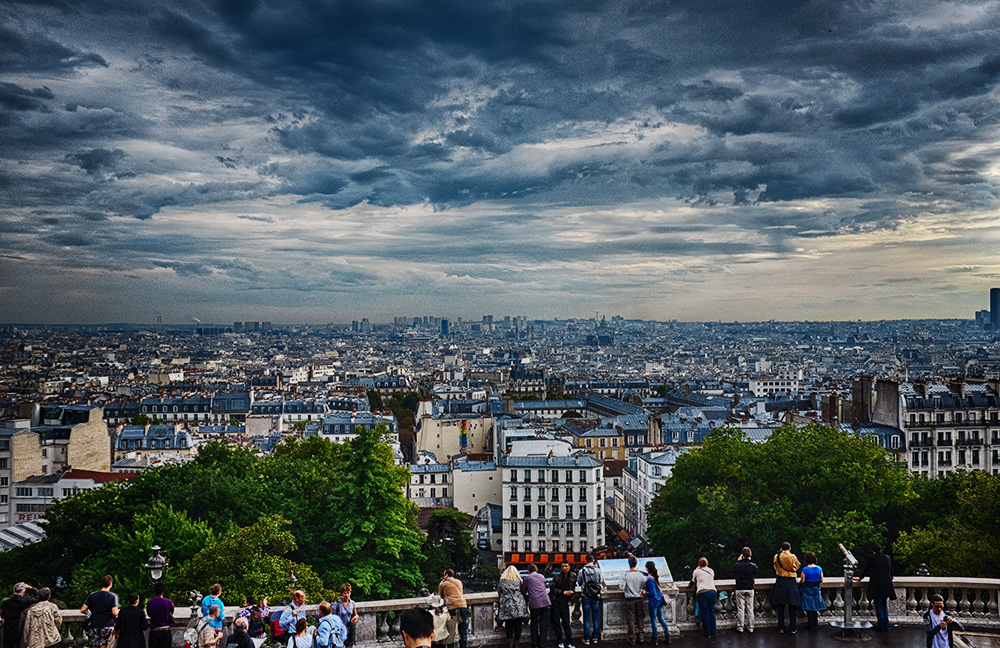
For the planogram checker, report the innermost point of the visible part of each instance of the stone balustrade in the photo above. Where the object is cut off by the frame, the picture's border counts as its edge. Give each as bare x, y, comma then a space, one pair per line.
974, 601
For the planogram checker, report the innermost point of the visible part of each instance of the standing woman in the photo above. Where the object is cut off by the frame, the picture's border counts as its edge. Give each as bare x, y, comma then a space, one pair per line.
786, 591
345, 608
131, 624
654, 595
810, 579
512, 609
704, 584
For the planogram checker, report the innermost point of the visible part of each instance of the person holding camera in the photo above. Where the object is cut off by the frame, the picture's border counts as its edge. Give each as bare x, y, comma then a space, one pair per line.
938, 625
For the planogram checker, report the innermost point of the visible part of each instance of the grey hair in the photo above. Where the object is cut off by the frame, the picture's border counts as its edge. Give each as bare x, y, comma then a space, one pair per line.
241, 622
213, 609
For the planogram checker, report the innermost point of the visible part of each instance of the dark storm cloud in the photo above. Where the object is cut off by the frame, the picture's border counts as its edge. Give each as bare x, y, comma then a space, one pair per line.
31, 51
771, 122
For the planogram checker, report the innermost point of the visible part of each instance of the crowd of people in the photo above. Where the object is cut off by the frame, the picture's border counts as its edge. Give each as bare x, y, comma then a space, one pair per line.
32, 620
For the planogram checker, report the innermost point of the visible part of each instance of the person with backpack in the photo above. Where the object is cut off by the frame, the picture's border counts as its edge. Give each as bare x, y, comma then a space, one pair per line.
591, 584
290, 616
512, 609
255, 613
240, 638
330, 630
208, 635
654, 596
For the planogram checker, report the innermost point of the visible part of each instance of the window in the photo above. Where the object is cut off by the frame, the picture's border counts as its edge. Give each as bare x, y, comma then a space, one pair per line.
583, 493
513, 510
45, 453
513, 476
975, 457
513, 493
541, 493
541, 545
569, 546
45, 492
23, 492
527, 545
4, 481
583, 510
527, 514
527, 493
555, 510
513, 528
4, 463
961, 456
583, 476
583, 529
541, 476
3, 499
513, 545
434, 492
541, 510
614, 442
4, 444
30, 508
602, 442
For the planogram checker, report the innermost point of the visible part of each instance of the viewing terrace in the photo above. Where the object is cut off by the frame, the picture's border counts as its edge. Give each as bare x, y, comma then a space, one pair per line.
973, 601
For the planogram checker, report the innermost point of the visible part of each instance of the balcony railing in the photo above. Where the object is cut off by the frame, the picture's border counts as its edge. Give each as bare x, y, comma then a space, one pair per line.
974, 601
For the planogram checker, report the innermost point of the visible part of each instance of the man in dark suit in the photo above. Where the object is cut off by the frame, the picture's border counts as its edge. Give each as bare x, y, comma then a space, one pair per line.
880, 589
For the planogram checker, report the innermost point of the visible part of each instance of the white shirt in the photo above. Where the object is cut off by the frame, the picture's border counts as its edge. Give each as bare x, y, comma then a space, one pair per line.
941, 638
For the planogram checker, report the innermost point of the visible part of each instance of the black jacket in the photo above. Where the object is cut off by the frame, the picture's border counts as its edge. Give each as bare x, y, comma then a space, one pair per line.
744, 572
239, 639
131, 625
562, 583
932, 630
879, 570
11, 611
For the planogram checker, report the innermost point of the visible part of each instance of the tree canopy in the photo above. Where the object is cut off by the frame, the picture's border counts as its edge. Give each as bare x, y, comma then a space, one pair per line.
814, 487
333, 513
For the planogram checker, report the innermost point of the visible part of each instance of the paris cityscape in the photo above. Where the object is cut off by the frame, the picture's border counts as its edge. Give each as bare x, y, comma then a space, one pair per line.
368, 307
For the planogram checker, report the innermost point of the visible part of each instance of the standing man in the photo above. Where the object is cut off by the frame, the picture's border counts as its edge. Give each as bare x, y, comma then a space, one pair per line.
161, 612
938, 625
533, 586
10, 612
103, 608
41, 622
453, 592
560, 593
880, 588
417, 627
591, 583
632, 584
213, 599
745, 572
291, 614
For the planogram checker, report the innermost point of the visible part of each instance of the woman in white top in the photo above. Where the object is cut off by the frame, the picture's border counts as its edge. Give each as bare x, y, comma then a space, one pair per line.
703, 579
302, 638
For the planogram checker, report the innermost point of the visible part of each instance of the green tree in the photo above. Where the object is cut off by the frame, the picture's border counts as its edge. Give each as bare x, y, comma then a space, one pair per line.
250, 561
448, 544
374, 399
964, 542
813, 486
142, 419
376, 526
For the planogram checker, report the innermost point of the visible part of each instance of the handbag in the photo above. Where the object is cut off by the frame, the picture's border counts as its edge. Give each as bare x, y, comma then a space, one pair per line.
113, 640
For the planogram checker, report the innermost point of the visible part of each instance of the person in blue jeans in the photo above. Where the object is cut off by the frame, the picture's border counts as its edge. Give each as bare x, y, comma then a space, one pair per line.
703, 579
591, 584
655, 597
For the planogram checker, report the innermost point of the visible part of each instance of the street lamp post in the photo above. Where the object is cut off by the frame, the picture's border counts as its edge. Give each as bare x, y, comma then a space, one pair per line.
156, 565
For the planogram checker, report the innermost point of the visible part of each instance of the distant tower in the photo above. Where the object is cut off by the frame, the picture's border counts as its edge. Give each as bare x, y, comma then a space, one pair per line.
995, 308
444, 327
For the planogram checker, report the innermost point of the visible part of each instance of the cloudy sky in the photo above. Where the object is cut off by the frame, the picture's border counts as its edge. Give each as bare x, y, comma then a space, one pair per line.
325, 160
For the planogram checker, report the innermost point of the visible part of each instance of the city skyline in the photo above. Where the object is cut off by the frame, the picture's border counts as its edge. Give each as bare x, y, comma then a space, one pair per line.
696, 161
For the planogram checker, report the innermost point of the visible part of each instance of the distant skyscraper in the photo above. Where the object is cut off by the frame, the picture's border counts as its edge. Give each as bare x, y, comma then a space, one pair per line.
444, 327
995, 308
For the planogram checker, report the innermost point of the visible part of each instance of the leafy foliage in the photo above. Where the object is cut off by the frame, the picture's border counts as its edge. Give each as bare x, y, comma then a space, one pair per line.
813, 486
347, 521
250, 560
448, 544
963, 540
